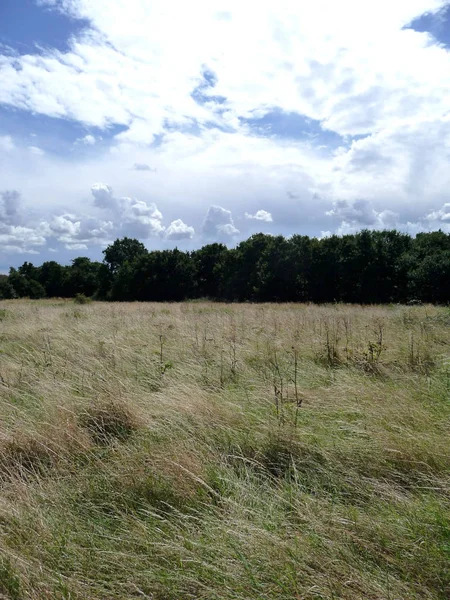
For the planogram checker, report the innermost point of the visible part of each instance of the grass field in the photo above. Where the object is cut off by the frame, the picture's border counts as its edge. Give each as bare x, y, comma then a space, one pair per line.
174, 451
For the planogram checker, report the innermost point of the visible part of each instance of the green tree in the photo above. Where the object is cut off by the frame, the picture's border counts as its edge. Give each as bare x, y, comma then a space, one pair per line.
122, 251
82, 277
23, 286
209, 264
275, 272
325, 283
54, 278
166, 275
301, 249
29, 271
240, 269
428, 266
7, 291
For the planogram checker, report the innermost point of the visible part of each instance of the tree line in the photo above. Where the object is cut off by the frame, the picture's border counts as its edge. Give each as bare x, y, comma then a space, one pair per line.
366, 267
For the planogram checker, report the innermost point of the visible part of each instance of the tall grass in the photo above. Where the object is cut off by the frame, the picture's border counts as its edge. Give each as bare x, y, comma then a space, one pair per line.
181, 451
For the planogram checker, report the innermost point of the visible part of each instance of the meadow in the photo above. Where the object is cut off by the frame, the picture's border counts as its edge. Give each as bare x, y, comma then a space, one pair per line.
224, 451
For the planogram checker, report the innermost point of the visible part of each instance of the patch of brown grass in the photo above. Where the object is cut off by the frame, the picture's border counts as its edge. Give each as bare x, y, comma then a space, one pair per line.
108, 422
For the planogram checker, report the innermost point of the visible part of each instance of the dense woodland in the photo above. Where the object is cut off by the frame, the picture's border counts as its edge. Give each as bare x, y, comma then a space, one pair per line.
367, 267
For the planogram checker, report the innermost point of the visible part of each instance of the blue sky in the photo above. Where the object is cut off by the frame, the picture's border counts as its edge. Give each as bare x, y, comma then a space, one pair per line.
184, 123
438, 25
28, 27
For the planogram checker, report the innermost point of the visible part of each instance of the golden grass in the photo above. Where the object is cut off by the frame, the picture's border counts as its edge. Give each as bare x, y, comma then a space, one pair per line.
201, 450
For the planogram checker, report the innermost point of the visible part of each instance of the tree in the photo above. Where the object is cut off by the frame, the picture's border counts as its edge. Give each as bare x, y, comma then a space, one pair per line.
105, 283
29, 271
240, 272
7, 291
54, 278
430, 279
275, 272
23, 286
122, 251
386, 279
325, 283
209, 264
301, 249
166, 275
83, 276
428, 267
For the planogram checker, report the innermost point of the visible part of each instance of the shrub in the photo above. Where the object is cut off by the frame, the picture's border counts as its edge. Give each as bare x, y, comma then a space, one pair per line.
82, 299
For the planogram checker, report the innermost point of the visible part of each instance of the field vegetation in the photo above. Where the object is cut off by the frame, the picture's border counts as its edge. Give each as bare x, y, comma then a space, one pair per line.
211, 451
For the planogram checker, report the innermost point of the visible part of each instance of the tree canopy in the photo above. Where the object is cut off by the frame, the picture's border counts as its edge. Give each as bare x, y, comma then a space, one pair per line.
365, 267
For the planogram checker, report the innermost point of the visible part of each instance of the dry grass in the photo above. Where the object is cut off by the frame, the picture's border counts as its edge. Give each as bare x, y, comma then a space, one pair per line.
197, 450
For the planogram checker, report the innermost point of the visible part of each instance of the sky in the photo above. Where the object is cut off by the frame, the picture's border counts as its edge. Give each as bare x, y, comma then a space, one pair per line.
184, 123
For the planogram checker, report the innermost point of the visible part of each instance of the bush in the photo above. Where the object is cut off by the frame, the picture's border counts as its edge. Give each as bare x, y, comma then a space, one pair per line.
7, 291
82, 299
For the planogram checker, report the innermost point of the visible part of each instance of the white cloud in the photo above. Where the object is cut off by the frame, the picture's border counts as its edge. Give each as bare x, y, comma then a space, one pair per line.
178, 230
65, 225
140, 219
12, 249
359, 211
87, 140
36, 150
436, 219
103, 196
260, 215
227, 229
17, 235
131, 216
218, 223
360, 214
443, 214
143, 167
18, 239
9, 206
76, 232
76, 246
